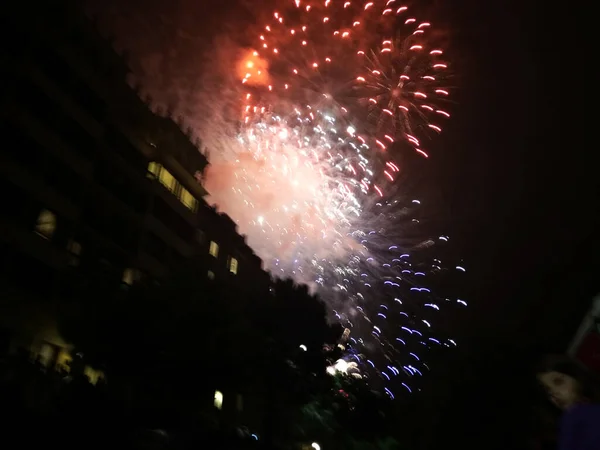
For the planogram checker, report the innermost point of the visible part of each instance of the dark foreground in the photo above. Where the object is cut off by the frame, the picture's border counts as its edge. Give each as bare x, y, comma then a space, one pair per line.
47, 408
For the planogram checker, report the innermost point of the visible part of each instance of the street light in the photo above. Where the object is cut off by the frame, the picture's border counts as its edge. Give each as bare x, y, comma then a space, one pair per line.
315, 446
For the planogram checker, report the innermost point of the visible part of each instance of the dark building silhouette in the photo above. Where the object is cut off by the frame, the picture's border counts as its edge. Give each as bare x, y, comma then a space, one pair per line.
91, 177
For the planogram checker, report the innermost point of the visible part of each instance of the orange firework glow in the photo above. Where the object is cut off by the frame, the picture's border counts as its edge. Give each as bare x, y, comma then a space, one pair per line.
252, 69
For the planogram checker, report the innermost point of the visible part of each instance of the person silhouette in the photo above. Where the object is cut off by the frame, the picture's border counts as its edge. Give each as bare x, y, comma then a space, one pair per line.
574, 390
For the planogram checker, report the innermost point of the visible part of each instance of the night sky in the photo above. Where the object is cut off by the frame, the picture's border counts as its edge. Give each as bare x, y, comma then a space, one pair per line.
516, 180
511, 177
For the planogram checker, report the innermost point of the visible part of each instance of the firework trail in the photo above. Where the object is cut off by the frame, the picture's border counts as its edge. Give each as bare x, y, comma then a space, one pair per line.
373, 59
332, 94
331, 89
309, 120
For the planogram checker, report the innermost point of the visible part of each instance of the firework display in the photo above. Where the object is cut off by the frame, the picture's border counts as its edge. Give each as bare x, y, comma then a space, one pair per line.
315, 114
372, 61
332, 94
332, 91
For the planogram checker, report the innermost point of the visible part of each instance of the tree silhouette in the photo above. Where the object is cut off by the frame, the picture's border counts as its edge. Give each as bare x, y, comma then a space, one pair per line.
189, 335
350, 415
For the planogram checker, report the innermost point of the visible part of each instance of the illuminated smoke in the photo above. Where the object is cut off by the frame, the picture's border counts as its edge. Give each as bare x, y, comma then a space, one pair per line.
307, 155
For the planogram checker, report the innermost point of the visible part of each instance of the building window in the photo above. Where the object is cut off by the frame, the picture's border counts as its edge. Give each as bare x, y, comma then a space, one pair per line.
188, 200
155, 170
167, 180
46, 224
210, 275
233, 265
213, 249
74, 248
130, 276
218, 400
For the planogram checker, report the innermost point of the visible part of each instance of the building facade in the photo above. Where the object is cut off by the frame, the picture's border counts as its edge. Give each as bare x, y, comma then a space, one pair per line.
91, 177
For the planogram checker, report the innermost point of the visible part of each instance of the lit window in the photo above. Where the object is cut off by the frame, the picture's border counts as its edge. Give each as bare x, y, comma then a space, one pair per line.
154, 169
46, 224
167, 180
233, 265
218, 401
188, 199
130, 276
177, 190
213, 249
211, 275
